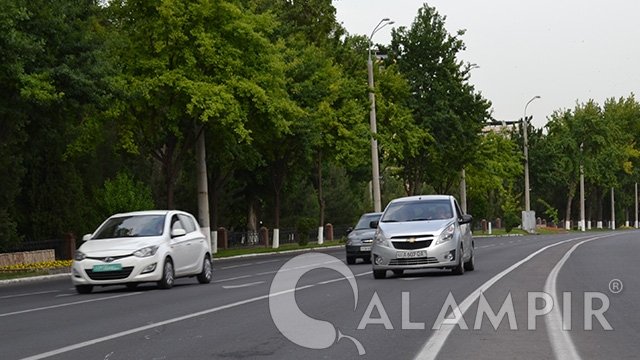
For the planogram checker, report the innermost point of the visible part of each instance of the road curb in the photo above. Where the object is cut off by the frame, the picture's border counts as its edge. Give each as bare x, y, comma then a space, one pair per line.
68, 274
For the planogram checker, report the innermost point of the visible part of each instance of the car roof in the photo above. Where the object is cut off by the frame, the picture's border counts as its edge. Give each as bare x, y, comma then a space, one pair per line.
149, 212
373, 213
422, 198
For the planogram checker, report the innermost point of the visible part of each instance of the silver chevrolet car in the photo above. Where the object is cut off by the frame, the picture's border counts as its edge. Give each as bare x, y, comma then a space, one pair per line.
427, 231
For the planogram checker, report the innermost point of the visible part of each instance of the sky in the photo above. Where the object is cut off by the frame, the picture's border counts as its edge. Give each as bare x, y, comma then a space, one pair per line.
565, 51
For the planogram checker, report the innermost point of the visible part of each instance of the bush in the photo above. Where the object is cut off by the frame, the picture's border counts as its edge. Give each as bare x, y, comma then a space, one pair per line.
511, 220
304, 227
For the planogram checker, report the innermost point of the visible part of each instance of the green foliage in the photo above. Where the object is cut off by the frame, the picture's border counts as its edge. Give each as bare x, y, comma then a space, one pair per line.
304, 226
511, 220
442, 101
550, 211
123, 194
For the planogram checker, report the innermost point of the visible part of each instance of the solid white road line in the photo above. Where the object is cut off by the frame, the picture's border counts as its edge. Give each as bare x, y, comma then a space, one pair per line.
435, 343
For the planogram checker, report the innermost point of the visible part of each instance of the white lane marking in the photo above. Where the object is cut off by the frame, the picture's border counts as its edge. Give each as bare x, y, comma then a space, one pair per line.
233, 278
174, 320
67, 304
242, 285
435, 343
28, 294
268, 261
235, 266
561, 342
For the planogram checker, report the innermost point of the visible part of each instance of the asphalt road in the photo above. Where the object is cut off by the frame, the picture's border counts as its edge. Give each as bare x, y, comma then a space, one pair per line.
515, 304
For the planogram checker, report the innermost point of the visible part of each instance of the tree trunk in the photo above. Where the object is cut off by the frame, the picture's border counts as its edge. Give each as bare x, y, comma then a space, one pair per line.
572, 189
321, 202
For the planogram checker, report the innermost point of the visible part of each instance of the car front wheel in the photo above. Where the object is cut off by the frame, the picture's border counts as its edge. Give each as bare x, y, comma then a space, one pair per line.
459, 270
167, 275
205, 276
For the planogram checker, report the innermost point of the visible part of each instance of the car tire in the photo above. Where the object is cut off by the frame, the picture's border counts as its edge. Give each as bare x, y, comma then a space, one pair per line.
351, 260
205, 276
367, 260
84, 289
398, 272
471, 264
168, 275
379, 274
459, 270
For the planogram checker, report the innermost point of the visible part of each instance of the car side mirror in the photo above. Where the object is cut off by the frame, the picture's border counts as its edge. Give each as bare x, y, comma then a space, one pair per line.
466, 219
374, 224
349, 230
86, 237
178, 232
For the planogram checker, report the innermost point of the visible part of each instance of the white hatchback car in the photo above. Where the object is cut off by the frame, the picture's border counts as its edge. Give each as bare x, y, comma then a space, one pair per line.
417, 232
145, 246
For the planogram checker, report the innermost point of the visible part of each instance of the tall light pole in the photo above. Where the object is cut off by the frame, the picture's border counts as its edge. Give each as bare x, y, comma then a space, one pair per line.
528, 219
377, 203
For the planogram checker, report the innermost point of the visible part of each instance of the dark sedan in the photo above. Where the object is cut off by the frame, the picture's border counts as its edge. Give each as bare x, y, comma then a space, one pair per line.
360, 239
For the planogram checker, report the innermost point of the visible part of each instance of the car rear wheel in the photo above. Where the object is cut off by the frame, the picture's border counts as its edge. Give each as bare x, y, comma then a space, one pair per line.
205, 276
379, 274
84, 289
459, 270
167, 275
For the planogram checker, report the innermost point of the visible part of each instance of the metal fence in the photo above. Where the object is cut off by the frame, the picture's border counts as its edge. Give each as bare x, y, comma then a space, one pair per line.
249, 239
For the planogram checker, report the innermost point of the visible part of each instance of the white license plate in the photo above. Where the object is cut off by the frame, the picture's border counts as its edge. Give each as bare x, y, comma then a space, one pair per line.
107, 267
411, 254
365, 248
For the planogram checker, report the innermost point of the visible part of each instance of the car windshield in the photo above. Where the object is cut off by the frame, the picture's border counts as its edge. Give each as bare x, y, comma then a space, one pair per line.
418, 211
131, 226
365, 221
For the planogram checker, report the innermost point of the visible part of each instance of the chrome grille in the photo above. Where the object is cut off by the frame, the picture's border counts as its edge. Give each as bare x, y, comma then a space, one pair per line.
405, 245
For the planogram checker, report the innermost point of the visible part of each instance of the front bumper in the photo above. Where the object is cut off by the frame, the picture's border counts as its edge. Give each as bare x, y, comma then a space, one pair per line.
132, 271
439, 256
362, 250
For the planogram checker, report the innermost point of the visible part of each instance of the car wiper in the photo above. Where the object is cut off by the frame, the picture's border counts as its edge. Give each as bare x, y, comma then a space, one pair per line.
419, 219
386, 221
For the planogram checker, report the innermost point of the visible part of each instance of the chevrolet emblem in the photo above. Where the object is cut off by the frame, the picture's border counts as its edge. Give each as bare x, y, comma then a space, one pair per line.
411, 240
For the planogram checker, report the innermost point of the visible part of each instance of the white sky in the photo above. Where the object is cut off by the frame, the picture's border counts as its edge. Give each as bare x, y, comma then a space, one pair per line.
562, 50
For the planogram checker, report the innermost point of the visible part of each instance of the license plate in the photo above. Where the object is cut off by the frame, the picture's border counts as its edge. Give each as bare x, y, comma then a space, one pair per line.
107, 267
411, 254
365, 248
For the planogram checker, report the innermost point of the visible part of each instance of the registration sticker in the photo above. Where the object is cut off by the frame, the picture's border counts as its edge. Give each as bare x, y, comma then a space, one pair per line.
411, 254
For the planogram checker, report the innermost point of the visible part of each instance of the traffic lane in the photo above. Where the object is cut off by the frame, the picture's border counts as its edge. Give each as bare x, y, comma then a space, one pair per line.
155, 316
605, 271
520, 293
157, 306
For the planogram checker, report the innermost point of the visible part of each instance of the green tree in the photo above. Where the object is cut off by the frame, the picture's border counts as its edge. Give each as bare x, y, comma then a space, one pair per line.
443, 102
123, 194
187, 63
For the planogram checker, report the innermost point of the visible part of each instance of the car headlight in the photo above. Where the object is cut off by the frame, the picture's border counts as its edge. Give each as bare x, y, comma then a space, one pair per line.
79, 256
446, 234
380, 239
146, 251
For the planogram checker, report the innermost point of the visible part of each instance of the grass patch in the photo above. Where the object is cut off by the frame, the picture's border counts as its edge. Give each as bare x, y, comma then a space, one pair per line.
21, 274
235, 252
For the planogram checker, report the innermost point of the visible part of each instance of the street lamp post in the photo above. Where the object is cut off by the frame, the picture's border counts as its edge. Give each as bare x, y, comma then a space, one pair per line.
528, 216
377, 203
